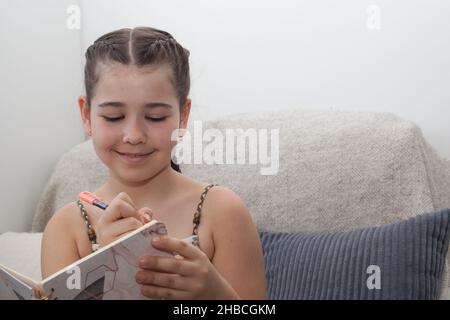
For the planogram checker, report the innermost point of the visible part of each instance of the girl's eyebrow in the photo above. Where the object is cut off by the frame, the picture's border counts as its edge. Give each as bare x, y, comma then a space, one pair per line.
118, 104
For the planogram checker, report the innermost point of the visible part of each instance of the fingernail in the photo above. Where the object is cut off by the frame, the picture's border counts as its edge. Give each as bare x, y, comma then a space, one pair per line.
139, 278
142, 262
147, 216
156, 239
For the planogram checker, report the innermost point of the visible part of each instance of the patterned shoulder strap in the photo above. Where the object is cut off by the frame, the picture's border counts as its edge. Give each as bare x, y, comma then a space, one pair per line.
90, 230
198, 212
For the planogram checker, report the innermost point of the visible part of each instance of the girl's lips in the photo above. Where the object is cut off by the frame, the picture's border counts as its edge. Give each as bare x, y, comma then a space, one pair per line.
133, 158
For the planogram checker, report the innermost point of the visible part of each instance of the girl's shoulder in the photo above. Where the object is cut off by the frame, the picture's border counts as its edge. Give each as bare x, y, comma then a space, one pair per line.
226, 209
59, 246
63, 219
215, 198
224, 197
68, 222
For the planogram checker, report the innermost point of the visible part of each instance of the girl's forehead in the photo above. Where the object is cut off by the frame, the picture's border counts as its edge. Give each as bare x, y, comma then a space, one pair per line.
134, 83
119, 69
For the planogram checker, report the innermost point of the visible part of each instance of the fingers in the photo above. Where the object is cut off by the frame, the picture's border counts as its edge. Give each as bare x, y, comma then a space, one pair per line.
120, 218
167, 264
146, 215
121, 207
124, 225
181, 247
120, 227
167, 280
125, 197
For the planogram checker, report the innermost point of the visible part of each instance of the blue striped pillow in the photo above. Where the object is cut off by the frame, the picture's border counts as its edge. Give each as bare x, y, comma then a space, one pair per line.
403, 260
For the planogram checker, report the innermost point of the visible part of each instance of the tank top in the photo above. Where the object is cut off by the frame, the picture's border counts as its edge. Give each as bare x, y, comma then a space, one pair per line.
193, 239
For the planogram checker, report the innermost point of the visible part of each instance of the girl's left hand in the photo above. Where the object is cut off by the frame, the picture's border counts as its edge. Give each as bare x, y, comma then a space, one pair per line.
188, 275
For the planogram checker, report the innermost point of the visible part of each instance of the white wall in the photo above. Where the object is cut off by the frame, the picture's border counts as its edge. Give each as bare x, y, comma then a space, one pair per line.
40, 81
246, 56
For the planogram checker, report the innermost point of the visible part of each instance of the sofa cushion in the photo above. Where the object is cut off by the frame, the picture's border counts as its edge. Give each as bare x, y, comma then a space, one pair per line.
403, 260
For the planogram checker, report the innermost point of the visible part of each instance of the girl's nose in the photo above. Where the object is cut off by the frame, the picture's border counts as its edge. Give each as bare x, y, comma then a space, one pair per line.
134, 133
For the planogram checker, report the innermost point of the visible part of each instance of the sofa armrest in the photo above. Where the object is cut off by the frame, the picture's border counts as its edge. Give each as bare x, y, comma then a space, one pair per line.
22, 253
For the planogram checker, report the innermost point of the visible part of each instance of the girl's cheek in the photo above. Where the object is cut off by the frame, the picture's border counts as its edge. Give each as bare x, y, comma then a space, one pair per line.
162, 140
162, 134
105, 135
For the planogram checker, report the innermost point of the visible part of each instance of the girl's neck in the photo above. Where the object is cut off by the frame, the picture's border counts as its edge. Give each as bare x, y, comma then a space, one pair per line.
155, 189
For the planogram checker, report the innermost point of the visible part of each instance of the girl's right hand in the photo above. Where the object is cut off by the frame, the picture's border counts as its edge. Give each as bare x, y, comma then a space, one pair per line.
120, 218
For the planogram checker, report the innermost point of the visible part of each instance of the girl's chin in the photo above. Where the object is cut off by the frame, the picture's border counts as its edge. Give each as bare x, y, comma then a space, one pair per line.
133, 178
137, 173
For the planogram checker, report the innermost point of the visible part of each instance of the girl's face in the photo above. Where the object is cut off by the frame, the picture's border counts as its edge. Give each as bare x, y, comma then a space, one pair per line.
132, 116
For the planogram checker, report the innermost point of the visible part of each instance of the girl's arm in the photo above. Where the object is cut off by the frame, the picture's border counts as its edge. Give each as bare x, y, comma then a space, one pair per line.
58, 247
238, 254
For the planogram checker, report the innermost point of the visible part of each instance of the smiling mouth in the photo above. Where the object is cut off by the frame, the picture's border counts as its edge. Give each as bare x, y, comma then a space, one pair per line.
134, 155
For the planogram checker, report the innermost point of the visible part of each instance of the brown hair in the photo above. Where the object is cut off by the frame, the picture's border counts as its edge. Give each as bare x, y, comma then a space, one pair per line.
140, 46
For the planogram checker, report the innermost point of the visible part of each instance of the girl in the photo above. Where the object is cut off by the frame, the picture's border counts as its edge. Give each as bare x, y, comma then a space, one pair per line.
137, 84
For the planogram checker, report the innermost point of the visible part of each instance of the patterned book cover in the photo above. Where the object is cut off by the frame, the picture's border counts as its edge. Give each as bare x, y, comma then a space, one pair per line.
105, 274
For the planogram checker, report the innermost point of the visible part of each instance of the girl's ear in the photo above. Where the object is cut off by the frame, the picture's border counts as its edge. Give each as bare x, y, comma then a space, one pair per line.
184, 115
85, 114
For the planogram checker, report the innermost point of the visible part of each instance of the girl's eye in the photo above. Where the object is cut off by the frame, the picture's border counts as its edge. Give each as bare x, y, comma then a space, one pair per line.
112, 119
156, 119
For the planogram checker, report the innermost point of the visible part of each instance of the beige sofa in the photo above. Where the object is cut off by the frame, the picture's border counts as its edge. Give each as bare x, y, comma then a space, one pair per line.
337, 171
